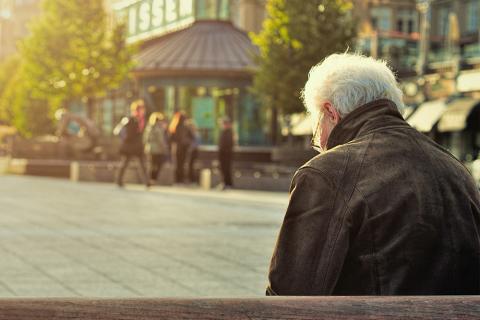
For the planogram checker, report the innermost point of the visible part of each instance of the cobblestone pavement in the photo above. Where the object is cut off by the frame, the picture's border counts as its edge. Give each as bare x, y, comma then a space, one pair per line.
64, 239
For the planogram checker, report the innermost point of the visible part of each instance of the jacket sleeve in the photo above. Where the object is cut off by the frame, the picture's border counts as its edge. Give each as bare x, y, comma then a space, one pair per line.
313, 239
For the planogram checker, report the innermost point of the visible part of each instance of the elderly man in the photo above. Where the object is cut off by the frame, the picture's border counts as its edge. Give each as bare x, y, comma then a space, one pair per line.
383, 210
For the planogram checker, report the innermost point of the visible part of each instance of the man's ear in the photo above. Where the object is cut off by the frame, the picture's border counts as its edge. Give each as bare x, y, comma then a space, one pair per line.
331, 113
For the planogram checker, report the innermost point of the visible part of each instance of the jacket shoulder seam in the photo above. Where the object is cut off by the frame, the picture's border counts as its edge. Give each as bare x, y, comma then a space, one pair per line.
316, 171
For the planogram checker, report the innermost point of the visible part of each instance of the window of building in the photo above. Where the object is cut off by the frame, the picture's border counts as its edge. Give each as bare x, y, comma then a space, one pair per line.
213, 9
443, 21
400, 25
411, 26
407, 21
381, 18
473, 12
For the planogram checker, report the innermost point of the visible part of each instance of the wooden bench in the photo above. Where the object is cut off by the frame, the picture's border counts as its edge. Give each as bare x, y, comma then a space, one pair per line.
399, 307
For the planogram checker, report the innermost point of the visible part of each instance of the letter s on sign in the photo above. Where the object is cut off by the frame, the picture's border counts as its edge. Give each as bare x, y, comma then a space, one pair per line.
157, 13
144, 15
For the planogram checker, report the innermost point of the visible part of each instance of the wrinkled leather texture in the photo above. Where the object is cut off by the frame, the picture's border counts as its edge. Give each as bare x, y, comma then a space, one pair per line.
385, 211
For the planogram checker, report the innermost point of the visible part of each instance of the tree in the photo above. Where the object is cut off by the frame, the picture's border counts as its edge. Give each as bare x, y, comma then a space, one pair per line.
70, 55
30, 115
296, 35
8, 71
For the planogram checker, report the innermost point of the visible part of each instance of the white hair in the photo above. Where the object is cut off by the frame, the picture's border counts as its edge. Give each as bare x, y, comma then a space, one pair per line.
349, 81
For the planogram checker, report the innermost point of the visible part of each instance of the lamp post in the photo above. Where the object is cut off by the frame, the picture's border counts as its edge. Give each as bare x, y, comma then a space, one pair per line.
453, 47
423, 7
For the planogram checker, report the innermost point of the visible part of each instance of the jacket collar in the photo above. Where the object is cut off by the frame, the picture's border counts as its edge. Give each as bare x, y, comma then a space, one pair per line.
370, 117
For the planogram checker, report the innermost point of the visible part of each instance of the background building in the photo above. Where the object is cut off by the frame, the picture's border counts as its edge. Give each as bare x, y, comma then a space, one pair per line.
389, 29
196, 57
15, 15
393, 30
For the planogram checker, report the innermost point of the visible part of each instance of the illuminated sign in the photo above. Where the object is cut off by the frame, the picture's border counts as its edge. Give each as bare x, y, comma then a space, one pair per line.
148, 18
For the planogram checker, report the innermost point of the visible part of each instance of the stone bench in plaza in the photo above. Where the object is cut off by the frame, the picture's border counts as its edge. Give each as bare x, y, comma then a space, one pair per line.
398, 307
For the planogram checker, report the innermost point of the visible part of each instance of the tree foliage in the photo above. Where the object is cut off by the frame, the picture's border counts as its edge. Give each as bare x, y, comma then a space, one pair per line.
296, 35
71, 55
8, 70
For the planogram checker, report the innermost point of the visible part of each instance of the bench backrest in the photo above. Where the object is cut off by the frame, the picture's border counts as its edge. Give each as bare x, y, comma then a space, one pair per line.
424, 307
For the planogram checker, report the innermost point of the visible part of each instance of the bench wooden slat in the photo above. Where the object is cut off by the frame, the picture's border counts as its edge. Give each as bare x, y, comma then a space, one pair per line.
425, 307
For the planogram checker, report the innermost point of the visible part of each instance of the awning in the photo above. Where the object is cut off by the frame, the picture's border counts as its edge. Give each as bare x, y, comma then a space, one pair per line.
455, 117
204, 48
427, 115
468, 81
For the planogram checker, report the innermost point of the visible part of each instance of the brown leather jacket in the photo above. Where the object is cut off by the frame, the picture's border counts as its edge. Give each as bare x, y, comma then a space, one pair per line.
385, 211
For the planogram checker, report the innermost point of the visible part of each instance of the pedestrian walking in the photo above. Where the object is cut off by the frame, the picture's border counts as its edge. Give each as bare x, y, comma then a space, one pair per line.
225, 153
130, 130
192, 150
180, 138
156, 144
382, 210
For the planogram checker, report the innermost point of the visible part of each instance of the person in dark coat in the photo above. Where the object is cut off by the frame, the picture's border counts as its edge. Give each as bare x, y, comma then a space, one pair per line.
130, 131
225, 153
181, 139
192, 150
382, 210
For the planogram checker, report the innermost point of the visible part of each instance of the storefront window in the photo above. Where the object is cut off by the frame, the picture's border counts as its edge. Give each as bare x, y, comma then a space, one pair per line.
251, 122
206, 105
169, 100
224, 9
473, 12
213, 9
184, 100
203, 114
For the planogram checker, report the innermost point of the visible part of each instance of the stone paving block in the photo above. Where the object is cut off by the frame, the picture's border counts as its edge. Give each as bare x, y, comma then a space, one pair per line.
59, 238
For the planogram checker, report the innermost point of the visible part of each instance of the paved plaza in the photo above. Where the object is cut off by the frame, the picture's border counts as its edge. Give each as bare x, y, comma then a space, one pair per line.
65, 239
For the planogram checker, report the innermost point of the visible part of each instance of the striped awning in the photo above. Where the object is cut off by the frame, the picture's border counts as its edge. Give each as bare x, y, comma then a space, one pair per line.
427, 115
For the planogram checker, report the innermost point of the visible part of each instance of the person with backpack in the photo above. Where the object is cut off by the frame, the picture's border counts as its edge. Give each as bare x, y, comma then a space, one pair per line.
130, 130
156, 144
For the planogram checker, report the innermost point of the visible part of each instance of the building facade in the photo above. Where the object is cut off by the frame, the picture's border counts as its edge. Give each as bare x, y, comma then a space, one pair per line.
15, 15
393, 30
389, 30
434, 47
195, 57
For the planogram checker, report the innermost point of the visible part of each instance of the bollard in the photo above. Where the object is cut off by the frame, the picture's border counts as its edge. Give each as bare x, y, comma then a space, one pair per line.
4, 164
206, 179
74, 171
